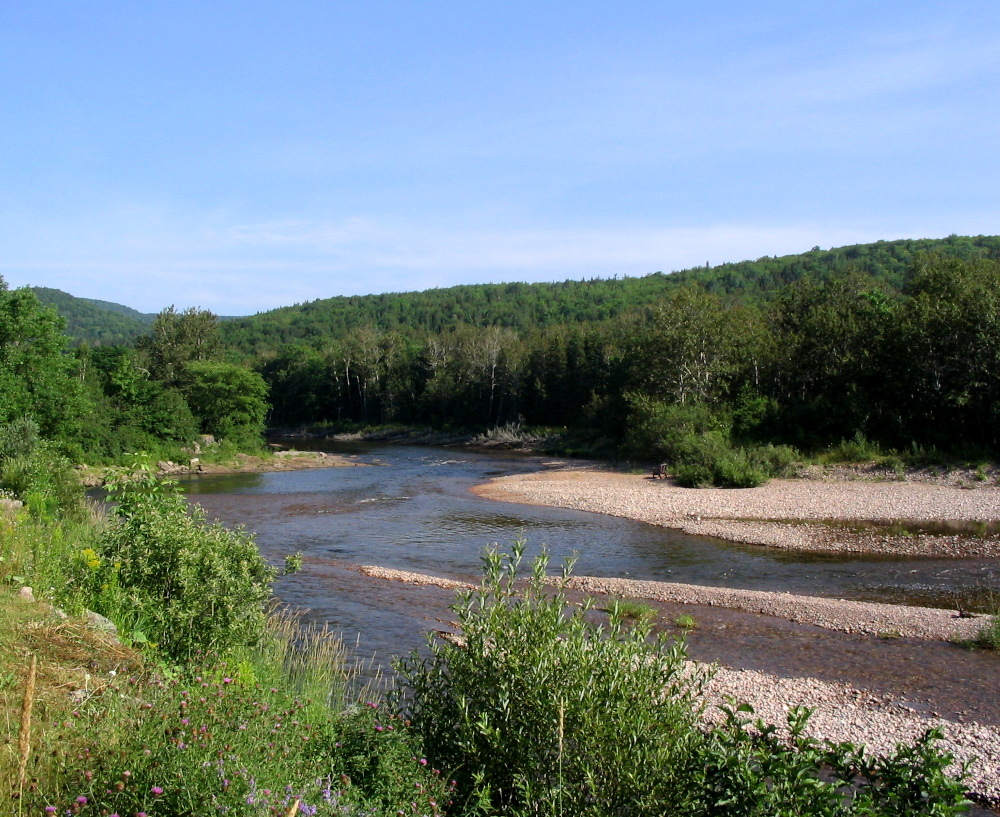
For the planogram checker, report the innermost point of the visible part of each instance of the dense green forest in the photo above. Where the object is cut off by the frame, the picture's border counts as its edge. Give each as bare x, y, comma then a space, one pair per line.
96, 323
825, 357
529, 307
711, 369
97, 404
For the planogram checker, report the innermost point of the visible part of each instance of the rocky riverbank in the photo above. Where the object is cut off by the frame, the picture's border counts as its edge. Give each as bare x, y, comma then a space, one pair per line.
854, 511
823, 515
285, 460
879, 719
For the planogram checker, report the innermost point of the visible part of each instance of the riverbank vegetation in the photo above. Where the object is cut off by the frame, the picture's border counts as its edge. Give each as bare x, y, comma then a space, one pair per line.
544, 706
206, 703
725, 373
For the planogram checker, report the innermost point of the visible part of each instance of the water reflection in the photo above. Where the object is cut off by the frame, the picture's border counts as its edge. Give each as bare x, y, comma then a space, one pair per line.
412, 510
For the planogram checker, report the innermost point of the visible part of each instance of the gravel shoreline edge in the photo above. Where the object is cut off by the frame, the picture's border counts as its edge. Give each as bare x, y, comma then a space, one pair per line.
797, 514
841, 712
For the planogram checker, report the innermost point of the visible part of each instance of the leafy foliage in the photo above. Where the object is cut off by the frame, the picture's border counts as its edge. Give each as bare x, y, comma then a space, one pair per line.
95, 323
36, 374
229, 401
541, 710
189, 585
177, 339
752, 771
528, 307
34, 472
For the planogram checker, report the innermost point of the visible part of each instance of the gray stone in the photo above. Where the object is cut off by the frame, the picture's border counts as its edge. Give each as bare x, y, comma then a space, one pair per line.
99, 622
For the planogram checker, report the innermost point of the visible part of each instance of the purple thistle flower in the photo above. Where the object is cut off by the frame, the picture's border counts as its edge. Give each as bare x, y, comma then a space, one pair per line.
157, 791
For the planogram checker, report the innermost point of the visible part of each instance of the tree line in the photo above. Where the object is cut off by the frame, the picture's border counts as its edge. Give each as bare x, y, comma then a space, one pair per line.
530, 307
100, 403
907, 356
824, 359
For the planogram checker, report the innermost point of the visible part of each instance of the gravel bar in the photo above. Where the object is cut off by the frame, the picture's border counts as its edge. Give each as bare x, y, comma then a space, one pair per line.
795, 514
870, 618
840, 712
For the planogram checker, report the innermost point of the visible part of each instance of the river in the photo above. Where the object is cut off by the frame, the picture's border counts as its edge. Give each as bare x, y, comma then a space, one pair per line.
412, 510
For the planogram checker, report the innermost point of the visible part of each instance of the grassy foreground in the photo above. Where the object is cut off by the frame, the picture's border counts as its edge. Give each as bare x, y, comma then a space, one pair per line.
209, 702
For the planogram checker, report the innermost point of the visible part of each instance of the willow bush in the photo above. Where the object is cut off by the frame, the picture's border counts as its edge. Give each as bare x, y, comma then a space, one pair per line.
542, 711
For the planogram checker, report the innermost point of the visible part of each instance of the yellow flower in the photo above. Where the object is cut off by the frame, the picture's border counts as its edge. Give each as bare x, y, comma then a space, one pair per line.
91, 558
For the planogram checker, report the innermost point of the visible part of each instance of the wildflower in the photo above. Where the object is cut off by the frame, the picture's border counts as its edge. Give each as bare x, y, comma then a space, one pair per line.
50, 809
81, 800
157, 791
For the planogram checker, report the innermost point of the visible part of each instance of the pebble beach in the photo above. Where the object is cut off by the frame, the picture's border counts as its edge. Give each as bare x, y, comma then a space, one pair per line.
899, 517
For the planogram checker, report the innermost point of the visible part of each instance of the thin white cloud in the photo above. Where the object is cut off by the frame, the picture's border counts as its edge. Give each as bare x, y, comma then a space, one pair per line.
291, 262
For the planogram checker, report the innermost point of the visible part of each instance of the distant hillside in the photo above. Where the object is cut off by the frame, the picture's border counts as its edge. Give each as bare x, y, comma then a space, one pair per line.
98, 323
534, 306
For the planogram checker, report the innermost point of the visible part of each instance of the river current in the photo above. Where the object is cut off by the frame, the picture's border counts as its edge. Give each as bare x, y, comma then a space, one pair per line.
412, 510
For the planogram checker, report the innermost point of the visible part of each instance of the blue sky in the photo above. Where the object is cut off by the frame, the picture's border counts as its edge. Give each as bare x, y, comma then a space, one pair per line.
243, 156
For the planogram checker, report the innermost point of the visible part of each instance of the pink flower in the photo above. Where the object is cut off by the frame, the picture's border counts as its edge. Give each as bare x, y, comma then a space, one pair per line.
157, 791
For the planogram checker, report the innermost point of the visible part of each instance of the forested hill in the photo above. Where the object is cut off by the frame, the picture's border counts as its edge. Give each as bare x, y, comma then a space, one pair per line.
538, 306
97, 323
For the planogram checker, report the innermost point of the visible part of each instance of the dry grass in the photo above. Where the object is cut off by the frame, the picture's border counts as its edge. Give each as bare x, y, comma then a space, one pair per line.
72, 661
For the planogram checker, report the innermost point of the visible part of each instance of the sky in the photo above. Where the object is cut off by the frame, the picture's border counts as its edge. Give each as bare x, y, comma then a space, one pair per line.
240, 156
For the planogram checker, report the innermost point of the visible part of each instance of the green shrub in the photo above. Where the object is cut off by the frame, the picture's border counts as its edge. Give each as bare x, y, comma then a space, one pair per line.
675, 433
858, 449
777, 460
697, 443
18, 438
736, 469
192, 584
988, 637
723, 467
751, 771
694, 475
44, 481
542, 712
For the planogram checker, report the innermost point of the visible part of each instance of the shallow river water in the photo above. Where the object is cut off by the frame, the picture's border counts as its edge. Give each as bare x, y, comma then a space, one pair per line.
413, 510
